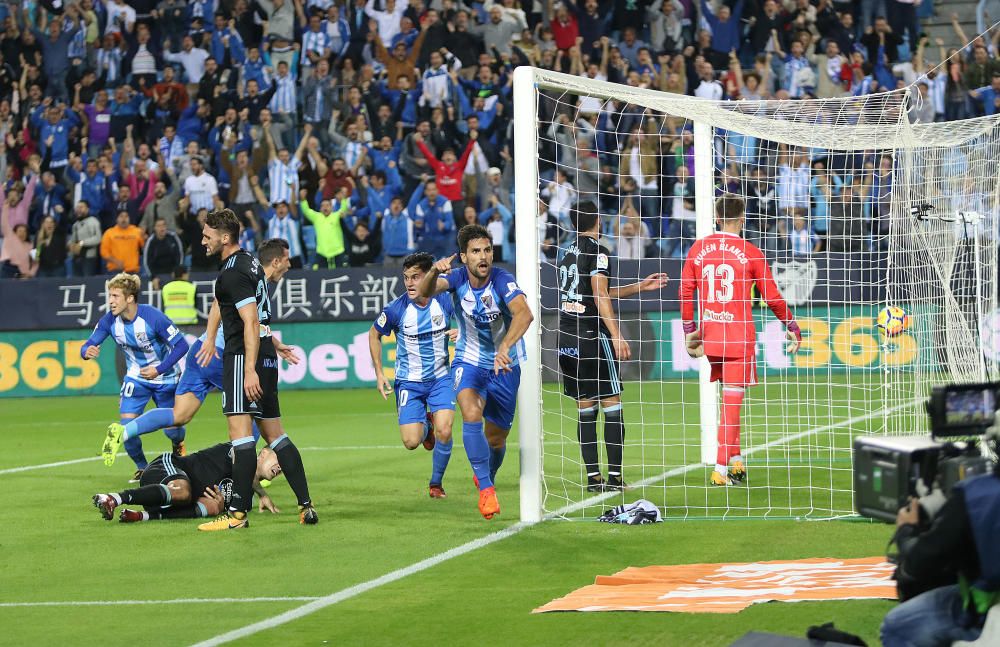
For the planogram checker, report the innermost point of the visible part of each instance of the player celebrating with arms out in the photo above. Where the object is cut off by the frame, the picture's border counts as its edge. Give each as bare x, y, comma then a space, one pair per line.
591, 345
250, 371
152, 347
422, 379
493, 315
723, 268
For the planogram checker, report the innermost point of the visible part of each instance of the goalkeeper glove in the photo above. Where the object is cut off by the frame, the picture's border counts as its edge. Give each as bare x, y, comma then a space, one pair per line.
794, 335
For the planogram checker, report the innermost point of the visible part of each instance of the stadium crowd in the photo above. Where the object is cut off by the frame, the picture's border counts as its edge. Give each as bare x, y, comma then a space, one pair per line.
361, 131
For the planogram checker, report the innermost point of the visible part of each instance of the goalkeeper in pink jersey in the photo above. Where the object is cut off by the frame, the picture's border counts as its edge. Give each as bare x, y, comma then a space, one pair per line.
723, 268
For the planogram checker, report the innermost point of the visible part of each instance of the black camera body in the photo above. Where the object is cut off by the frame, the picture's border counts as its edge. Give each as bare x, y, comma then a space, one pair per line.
888, 470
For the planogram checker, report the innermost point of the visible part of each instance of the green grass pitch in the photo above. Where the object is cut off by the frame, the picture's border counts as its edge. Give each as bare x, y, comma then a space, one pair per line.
375, 517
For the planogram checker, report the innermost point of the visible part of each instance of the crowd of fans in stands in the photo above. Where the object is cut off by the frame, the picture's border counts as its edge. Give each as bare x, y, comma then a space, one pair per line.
362, 130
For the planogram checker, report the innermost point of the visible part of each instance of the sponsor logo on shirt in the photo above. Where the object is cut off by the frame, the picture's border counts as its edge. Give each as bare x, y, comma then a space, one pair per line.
602, 261
381, 320
573, 307
171, 331
718, 317
512, 288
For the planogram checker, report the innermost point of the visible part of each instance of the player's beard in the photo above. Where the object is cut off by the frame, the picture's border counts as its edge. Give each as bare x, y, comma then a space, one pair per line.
481, 269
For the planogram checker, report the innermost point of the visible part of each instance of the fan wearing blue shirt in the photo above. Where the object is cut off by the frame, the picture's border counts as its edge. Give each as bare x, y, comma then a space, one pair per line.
152, 345
493, 315
423, 381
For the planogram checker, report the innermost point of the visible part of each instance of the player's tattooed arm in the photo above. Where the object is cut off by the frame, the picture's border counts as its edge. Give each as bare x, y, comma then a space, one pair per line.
520, 322
432, 284
264, 501
602, 299
375, 350
652, 282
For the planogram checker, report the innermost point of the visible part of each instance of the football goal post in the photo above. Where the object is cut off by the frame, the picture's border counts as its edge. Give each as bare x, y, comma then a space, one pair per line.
854, 207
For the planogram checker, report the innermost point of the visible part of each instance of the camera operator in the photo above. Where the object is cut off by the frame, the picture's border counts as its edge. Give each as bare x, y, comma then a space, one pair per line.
948, 573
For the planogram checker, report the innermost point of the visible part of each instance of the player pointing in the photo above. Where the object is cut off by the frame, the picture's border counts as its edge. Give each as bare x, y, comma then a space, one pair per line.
493, 315
723, 268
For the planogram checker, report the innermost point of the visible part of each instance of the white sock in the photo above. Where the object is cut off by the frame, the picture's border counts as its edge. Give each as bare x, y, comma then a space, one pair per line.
721, 469
738, 457
145, 516
117, 497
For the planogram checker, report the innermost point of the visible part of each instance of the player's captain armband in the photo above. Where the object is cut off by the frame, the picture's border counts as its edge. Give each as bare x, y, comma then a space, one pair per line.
380, 322
602, 261
793, 328
689, 327
171, 331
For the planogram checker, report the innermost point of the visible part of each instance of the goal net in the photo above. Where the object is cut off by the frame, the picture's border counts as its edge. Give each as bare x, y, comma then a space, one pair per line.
854, 207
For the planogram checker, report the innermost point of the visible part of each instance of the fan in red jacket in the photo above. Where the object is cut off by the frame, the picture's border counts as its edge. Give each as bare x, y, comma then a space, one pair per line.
723, 268
447, 171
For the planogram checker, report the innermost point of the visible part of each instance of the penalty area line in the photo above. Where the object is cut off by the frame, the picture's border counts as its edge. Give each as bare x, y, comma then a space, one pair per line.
474, 545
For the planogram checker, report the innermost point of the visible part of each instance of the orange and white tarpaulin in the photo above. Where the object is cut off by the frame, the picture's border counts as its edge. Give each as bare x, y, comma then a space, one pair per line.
729, 588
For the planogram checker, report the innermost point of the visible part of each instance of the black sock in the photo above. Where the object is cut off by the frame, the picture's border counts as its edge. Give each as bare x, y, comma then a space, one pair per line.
244, 469
614, 440
291, 466
586, 434
147, 495
180, 512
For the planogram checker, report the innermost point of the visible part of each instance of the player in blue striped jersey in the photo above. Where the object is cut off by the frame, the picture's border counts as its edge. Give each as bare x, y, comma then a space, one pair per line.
493, 315
152, 347
202, 372
423, 381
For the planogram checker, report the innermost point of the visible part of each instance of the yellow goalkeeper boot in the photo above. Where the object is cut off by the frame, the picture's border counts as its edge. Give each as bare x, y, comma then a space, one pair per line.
228, 521
718, 479
737, 471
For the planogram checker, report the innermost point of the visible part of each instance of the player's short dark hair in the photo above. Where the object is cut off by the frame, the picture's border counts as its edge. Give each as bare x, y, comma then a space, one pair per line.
226, 221
271, 249
469, 233
421, 260
729, 206
584, 216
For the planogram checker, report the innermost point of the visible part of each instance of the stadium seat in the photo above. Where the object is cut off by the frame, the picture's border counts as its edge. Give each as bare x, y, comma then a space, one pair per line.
991, 632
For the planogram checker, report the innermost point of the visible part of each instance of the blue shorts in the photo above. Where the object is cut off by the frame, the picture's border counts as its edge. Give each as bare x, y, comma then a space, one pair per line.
414, 399
198, 379
498, 391
135, 395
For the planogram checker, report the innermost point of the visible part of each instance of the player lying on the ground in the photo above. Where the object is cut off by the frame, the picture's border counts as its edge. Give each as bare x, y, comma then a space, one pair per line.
152, 347
184, 487
423, 382
723, 268
591, 346
493, 315
197, 380
249, 369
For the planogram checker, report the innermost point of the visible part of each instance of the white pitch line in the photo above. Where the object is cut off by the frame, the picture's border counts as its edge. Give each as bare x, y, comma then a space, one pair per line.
476, 544
105, 603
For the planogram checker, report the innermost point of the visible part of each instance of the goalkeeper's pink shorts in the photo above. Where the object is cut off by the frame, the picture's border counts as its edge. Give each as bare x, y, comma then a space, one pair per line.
734, 371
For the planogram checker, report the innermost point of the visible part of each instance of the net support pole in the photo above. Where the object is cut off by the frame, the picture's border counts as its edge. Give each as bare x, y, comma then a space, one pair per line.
529, 395
704, 194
